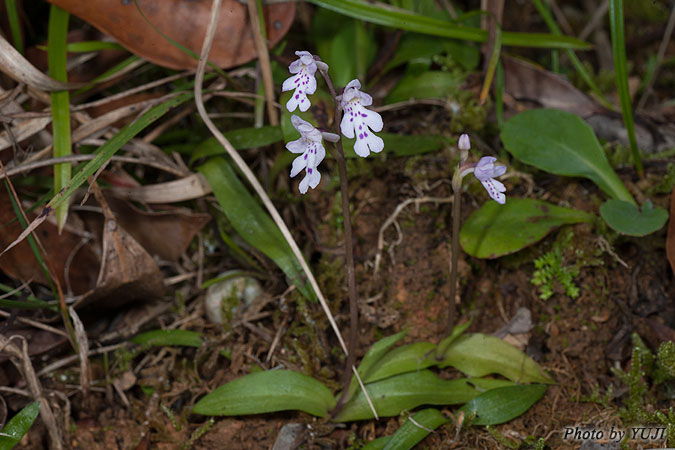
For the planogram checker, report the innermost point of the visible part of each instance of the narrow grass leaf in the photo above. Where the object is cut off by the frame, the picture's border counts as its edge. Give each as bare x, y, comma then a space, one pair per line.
626, 218
502, 404
496, 230
251, 221
183, 338
621, 73
562, 143
269, 391
14, 24
478, 355
18, 426
410, 433
386, 15
409, 390
57, 59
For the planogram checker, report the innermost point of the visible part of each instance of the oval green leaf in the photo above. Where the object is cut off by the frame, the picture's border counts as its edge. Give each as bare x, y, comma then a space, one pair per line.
407, 358
503, 404
626, 218
18, 426
185, 338
409, 390
269, 391
478, 354
561, 143
496, 230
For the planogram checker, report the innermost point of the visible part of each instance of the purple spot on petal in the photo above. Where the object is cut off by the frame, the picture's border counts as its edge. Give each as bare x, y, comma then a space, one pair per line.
365, 134
360, 135
351, 120
305, 156
360, 127
309, 171
297, 96
363, 114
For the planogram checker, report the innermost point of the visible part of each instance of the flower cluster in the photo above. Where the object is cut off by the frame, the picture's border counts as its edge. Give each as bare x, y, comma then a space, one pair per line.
357, 121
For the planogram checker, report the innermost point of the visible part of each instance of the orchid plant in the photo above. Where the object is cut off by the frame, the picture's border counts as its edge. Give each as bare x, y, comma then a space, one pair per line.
359, 122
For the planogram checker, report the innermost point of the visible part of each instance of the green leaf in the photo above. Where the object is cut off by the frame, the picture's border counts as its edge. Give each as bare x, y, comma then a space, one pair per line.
386, 15
107, 150
561, 143
251, 221
410, 433
478, 354
183, 338
240, 139
269, 391
403, 392
377, 444
621, 71
503, 404
626, 218
18, 426
430, 84
496, 230
407, 358
60, 103
372, 357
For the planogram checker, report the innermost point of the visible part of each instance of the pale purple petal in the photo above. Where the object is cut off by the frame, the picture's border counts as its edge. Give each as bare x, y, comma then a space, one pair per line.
495, 189
368, 143
485, 168
304, 184
498, 171
372, 119
355, 83
295, 66
299, 163
297, 146
314, 177
289, 83
320, 154
347, 124
366, 99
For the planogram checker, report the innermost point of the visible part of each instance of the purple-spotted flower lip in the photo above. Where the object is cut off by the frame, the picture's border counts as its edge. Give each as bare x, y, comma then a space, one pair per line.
360, 122
303, 82
312, 153
486, 171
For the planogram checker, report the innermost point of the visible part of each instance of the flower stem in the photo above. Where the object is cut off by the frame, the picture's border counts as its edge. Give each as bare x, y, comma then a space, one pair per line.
349, 250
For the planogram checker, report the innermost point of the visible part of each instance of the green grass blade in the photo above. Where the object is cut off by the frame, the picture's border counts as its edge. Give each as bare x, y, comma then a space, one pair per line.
14, 24
578, 66
109, 73
57, 58
107, 150
184, 338
393, 17
619, 50
18, 426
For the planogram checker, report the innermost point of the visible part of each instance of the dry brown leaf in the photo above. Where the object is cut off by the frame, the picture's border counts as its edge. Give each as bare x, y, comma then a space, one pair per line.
185, 22
73, 263
187, 188
529, 83
166, 234
23, 130
670, 240
127, 271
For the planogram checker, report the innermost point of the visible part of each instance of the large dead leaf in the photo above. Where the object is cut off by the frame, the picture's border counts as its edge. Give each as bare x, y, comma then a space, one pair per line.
127, 271
166, 234
185, 22
535, 86
68, 255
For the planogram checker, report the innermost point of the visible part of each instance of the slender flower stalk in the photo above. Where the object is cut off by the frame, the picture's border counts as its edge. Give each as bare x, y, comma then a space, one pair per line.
485, 171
